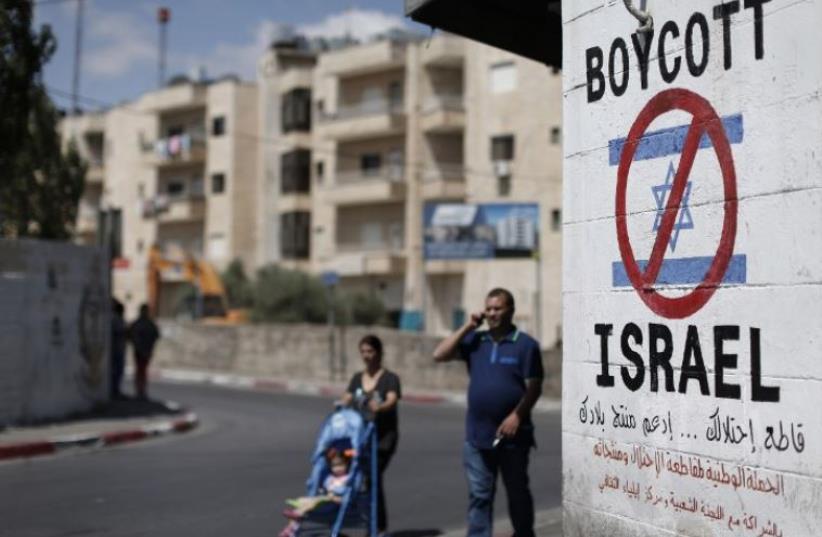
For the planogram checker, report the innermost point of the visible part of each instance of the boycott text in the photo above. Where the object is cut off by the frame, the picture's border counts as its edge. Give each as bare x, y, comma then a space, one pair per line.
696, 29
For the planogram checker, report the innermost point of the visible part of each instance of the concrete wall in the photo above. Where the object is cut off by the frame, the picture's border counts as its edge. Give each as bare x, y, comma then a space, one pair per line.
54, 328
691, 393
301, 351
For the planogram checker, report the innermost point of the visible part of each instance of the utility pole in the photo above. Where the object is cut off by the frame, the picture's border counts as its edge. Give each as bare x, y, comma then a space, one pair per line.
163, 16
78, 45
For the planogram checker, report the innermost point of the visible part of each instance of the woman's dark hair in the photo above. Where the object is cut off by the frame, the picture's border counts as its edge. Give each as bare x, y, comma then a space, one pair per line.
372, 341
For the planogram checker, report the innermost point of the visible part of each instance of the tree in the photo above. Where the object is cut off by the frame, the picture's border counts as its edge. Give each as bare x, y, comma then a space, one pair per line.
366, 309
41, 187
288, 296
237, 286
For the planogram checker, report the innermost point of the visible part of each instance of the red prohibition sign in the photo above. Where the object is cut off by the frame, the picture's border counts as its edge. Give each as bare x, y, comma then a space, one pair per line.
705, 120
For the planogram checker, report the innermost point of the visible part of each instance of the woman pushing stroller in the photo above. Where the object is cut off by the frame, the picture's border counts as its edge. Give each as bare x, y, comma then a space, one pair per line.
381, 388
375, 392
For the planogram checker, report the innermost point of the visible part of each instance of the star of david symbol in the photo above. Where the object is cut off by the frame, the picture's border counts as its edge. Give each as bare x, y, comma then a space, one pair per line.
685, 221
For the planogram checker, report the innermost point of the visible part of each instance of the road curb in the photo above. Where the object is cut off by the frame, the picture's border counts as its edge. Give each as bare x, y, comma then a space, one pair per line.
186, 422
304, 387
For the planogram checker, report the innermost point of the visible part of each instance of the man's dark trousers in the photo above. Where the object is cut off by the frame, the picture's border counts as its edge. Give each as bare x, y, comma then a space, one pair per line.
481, 467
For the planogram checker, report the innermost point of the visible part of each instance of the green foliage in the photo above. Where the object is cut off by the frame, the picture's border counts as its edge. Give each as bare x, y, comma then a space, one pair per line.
237, 286
41, 186
366, 309
184, 300
288, 296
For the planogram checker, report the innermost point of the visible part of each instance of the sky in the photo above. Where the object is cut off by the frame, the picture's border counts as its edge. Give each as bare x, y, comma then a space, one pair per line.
120, 38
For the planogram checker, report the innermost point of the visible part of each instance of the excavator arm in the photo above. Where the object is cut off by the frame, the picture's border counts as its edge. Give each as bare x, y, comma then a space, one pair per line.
212, 295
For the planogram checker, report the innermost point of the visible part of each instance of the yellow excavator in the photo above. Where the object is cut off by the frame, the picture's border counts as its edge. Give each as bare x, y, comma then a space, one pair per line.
210, 304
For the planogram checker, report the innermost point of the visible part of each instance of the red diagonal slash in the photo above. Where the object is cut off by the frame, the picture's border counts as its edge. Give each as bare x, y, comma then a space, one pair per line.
686, 162
705, 120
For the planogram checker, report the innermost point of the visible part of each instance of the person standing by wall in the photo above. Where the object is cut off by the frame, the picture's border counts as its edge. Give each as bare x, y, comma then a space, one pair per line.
381, 389
143, 334
505, 369
119, 339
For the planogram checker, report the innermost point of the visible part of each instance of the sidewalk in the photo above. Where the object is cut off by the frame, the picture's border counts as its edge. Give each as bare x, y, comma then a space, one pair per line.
313, 387
117, 422
547, 523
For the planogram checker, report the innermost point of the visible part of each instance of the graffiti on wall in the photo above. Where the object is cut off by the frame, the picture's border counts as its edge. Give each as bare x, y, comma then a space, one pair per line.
690, 350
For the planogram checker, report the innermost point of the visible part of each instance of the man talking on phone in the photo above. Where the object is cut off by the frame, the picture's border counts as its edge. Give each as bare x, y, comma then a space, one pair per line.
505, 370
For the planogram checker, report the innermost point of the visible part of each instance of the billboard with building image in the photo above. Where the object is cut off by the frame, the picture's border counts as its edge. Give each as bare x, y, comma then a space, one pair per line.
480, 231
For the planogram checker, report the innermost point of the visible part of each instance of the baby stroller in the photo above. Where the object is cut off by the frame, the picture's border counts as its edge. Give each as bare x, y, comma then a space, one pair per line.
345, 430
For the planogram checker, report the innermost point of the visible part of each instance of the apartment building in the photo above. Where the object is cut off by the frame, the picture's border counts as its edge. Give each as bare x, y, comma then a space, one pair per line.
393, 129
341, 160
176, 168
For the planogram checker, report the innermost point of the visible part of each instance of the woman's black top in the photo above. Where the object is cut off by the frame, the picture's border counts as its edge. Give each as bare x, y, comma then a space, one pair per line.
387, 422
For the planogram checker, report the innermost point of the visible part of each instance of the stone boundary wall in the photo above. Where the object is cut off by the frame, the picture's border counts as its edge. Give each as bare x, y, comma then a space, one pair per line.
301, 352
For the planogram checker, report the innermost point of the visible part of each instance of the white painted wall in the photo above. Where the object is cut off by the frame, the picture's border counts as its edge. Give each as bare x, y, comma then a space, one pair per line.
54, 329
701, 464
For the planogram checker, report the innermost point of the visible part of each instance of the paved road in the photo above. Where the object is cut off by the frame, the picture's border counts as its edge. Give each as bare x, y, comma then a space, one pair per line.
229, 477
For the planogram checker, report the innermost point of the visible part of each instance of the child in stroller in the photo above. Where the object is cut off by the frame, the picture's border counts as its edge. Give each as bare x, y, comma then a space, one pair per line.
341, 490
334, 488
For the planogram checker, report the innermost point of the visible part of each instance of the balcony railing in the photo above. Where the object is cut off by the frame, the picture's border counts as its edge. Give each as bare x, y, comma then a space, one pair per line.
444, 172
392, 174
452, 102
382, 247
177, 148
370, 107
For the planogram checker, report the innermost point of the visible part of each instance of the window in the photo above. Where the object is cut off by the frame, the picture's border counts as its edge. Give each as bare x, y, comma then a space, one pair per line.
504, 185
218, 183
295, 235
503, 77
175, 188
296, 110
556, 220
217, 246
320, 171
174, 130
556, 135
295, 172
197, 186
395, 95
370, 163
218, 126
502, 147
112, 221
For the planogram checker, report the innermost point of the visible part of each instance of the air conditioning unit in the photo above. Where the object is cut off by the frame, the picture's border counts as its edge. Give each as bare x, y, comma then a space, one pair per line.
502, 168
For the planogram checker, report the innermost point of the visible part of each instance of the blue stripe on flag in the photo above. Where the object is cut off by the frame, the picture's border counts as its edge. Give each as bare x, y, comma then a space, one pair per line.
669, 141
687, 270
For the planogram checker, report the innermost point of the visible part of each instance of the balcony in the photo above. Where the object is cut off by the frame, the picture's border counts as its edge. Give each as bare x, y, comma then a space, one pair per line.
178, 150
176, 98
443, 181
443, 114
379, 185
95, 174
290, 202
86, 224
294, 78
444, 51
445, 266
362, 260
174, 209
365, 119
363, 59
